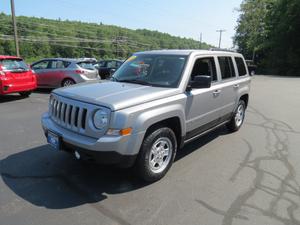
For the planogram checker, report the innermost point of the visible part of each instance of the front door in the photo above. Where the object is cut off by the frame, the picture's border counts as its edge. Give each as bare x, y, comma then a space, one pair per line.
203, 105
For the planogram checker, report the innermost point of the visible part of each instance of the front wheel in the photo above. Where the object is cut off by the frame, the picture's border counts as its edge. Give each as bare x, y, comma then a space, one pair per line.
238, 117
156, 155
25, 94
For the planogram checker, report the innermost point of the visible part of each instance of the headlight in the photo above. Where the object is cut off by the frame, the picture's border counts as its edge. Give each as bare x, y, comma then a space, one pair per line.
100, 119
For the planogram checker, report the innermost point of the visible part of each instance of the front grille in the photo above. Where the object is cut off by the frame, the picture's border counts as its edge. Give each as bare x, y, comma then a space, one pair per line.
68, 115
74, 115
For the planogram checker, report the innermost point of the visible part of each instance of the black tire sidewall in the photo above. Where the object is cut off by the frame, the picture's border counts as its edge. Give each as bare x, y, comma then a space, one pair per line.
25, 93
63, 83
143, 167
232, 125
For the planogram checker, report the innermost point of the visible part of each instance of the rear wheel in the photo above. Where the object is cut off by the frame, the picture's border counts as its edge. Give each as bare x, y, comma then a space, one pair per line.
67, 82
25, 93
157, 154
238, 117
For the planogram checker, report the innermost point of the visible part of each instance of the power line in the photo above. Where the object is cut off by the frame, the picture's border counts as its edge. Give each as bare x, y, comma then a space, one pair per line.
56, 44
129, 43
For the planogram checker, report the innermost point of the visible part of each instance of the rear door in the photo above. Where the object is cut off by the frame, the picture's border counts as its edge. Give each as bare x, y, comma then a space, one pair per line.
202, 106
228, 88
57, 72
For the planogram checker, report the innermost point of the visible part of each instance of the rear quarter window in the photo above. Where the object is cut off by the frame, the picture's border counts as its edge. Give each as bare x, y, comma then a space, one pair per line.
86, 65
240, 66
226, 67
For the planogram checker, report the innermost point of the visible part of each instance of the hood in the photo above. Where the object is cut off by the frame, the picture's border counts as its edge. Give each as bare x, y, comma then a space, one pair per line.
115, 95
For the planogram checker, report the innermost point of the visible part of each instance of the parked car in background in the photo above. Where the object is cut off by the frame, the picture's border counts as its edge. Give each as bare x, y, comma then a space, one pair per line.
251, 67
106, 67
62, 72
16, 76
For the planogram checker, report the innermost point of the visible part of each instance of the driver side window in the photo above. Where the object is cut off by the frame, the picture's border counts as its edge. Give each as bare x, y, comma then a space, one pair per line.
41, 65
205, 66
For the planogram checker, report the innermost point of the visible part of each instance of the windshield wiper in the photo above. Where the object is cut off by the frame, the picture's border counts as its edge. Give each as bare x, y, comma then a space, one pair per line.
20, 68
136, 81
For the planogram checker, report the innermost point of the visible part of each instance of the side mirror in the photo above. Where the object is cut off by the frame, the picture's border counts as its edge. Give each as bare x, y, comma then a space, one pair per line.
200, 81
112, 71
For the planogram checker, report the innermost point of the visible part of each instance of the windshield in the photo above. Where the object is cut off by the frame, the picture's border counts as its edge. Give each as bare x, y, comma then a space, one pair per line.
13, 64
154, 70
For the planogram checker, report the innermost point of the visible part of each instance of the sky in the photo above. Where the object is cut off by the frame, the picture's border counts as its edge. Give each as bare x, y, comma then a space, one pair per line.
184, 18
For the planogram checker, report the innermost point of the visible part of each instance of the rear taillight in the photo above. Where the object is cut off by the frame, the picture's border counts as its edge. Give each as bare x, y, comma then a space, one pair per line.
2, 73
79, 71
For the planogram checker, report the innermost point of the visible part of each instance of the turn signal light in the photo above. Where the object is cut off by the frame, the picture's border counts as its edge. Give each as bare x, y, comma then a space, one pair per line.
122, 132
126, 131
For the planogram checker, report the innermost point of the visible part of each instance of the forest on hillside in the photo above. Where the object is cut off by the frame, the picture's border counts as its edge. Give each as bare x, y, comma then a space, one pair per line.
269, 32
40, 38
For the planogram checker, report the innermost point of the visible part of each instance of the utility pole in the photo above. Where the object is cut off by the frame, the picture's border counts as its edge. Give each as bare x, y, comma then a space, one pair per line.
200, 40
220, 40
12, 6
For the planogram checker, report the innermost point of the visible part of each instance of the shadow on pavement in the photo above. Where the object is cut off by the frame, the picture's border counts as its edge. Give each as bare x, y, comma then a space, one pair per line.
10, 98
56, 180
43, 90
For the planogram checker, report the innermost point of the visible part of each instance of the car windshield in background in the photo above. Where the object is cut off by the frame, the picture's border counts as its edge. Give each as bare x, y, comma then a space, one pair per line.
154, 70
14, 65
86, 65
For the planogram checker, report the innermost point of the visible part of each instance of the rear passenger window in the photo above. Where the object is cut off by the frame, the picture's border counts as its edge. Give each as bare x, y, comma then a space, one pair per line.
57, 64
226, 67
205, 66
241, 66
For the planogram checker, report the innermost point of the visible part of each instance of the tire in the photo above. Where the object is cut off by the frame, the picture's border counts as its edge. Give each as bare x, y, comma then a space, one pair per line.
25, 94
154, 160
67, 82
238, 117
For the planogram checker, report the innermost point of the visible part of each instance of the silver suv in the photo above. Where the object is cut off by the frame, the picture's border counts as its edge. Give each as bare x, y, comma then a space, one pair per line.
156, 102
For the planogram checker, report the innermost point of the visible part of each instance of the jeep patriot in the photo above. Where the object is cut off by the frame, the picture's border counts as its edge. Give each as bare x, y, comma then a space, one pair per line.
156, 102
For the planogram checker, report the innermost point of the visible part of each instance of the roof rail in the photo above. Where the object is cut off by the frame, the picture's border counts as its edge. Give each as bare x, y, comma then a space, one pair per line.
222, 49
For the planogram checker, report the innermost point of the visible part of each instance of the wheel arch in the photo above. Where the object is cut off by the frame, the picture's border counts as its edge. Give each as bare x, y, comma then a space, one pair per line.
66, 78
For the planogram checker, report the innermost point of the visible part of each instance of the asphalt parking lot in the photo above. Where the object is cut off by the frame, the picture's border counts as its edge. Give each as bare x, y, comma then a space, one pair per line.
248, 177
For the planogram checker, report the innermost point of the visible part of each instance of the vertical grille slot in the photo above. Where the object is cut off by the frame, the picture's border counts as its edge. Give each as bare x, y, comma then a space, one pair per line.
83, 118
76, 113
64, 113
54, 107
70, 115
59, 110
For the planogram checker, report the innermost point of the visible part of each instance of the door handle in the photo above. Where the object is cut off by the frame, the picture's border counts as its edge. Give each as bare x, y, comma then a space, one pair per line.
216, 92
236, 86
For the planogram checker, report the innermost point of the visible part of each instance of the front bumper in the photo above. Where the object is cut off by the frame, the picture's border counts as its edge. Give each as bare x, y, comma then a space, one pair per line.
120, 150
